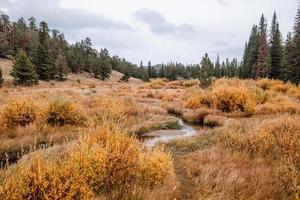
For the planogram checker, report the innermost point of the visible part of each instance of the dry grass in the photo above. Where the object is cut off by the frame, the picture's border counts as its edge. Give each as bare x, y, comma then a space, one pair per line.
226, 176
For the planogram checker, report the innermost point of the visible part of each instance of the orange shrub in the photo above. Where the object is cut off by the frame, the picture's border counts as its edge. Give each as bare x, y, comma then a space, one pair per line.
19, 113
267, 84
231, 99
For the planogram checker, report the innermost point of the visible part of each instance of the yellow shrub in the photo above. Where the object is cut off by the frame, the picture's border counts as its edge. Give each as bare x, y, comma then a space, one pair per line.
261, 96
231, 99
61, 112
155, 166
19, 113
41, 179
107, 162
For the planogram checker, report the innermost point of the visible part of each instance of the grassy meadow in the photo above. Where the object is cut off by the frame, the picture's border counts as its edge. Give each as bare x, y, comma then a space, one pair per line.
81, 139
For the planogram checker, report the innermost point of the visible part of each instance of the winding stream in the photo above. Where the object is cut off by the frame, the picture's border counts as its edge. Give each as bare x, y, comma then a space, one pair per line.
170, 135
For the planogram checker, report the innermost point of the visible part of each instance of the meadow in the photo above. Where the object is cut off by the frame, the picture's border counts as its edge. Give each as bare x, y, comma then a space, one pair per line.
81, 139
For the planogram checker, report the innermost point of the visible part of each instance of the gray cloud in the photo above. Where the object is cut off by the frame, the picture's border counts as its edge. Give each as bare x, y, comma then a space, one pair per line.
159, 25
58, 17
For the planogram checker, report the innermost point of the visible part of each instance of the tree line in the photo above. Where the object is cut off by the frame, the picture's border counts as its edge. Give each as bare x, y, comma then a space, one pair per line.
267, 55
44, 54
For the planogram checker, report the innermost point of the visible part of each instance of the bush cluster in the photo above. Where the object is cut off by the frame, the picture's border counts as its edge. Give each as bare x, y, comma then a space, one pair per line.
107, 162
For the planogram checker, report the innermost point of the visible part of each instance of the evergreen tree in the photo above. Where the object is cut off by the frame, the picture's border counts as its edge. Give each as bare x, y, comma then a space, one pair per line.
275, 50
288, 72
23, 70
102, 65
1, 77
61, 67
295, 70
206, 71
45, 68
217, 67
261, 69
251, 54
149, 69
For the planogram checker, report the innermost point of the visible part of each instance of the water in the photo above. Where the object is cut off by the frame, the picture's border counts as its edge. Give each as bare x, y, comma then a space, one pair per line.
171, 135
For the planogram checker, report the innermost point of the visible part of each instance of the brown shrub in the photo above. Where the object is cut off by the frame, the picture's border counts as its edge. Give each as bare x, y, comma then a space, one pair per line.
214, 121
157, 84
198, 116
191, 83
199, 99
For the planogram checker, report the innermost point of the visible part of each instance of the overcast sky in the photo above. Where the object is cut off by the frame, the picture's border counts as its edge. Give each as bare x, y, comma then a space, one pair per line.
157, 30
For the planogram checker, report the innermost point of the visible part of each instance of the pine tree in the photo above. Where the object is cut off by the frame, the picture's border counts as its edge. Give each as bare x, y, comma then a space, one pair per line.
275, 50
45, 68
295, 71
1, 78
250, 54
149, 69
23, 70
217, 67
261, 69
105, 64
61, 67
288, 72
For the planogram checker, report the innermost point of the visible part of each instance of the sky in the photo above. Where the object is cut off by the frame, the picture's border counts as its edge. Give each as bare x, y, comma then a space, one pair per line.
157, 30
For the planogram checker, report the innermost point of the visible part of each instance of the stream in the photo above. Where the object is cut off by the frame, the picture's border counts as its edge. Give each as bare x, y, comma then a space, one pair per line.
169, 135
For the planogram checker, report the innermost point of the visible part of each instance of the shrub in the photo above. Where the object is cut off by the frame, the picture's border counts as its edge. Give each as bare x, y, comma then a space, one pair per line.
213, 121
19, 113
191, 83
197, 117
199, 99
117, 109
157, 84
42, 179
280, 87
231, 99
174, 111
261, 96
266, 84
62, 112
108, 163
155, 166
294, 92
